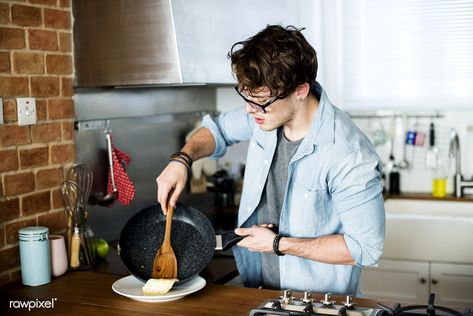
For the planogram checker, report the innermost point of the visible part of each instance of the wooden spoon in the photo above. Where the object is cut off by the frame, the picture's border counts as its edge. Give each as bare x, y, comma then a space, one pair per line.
165, 263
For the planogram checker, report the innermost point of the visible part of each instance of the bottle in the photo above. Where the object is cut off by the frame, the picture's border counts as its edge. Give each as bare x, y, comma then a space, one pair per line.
34, 255
439, 183
394, 180
383, 182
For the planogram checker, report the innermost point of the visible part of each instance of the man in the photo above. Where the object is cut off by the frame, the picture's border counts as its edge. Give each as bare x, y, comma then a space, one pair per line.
310, 172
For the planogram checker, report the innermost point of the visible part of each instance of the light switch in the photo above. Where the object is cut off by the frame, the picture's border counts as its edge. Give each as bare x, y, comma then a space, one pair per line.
26, 109
1, 111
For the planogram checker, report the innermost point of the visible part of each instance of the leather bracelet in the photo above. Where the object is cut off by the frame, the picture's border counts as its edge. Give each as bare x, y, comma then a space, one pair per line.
276, 240
183, 155
183, 163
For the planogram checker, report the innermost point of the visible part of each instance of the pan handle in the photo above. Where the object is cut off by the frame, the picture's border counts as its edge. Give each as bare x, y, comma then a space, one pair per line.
227, 240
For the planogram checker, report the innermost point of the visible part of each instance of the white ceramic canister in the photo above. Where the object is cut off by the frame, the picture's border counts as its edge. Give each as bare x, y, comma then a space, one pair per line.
34, 255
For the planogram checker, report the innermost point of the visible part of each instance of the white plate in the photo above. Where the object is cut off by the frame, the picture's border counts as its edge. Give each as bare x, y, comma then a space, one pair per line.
131, 287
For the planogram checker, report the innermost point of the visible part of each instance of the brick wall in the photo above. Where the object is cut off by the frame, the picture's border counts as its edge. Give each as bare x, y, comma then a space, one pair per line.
35, 61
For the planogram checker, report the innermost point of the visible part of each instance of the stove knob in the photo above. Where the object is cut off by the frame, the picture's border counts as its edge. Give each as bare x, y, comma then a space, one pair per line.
349, 301
328, 300
307, 298
287, 296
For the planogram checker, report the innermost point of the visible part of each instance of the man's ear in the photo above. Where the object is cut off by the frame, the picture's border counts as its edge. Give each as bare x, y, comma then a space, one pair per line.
302, 91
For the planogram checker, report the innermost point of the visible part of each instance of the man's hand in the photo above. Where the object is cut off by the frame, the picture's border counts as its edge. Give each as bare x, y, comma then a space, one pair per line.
259, 238
173, 177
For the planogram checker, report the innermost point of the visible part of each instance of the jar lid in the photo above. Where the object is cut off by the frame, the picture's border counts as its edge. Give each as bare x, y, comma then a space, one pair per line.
33, 230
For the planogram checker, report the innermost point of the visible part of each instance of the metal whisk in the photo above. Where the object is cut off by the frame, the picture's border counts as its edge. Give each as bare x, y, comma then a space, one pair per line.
83, 176
70, 197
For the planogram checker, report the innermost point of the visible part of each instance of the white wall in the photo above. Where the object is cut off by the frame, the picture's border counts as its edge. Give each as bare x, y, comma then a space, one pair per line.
227, 99
327, 39
418, 178
415, 179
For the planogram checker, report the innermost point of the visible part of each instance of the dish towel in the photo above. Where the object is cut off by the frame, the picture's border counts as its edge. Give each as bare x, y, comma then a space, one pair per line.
125, 187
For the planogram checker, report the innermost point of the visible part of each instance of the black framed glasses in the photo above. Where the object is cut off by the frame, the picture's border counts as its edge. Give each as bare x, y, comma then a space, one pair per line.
257, 106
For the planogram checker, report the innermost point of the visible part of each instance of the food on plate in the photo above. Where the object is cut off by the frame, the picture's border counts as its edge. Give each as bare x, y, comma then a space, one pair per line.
158, 286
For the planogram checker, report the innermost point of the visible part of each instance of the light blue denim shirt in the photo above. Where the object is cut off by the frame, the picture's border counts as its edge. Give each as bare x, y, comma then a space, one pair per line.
334, 187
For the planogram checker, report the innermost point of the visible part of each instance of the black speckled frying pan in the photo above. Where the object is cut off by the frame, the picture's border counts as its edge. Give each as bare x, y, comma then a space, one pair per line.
192, 238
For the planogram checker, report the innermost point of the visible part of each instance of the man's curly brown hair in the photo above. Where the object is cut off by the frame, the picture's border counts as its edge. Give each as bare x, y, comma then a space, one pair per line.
279, 58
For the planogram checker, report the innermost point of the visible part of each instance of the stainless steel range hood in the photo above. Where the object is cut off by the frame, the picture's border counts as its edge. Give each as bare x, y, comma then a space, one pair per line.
166, 42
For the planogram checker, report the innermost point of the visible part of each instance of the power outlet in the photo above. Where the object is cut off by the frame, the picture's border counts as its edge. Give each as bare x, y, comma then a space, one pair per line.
26, 109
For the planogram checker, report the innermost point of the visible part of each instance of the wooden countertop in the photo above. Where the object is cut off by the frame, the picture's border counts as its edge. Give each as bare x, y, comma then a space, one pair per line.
90, 293
426, 196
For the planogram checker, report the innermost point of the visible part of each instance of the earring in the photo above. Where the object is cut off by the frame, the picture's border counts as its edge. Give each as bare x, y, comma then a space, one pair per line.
300, 99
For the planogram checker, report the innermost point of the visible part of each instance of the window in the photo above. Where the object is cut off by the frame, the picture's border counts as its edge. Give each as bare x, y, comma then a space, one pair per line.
398, 53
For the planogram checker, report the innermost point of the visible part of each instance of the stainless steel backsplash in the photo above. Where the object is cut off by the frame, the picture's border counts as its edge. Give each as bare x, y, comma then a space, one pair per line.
148, 124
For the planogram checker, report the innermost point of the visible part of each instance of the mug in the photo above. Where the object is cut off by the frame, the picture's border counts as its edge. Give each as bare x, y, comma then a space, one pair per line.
58, 255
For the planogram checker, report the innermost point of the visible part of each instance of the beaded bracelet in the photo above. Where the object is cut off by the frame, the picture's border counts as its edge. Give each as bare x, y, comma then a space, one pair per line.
181, 162
276, 240
183, 155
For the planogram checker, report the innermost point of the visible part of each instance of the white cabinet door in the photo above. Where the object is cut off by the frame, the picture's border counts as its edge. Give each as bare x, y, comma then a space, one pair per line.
397, 281
452, 284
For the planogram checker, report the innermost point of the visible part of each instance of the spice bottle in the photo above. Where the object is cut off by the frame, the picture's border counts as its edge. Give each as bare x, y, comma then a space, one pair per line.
394, 180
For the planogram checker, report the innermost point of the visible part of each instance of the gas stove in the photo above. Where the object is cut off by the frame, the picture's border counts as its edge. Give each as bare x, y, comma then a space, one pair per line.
290, 305
306, 306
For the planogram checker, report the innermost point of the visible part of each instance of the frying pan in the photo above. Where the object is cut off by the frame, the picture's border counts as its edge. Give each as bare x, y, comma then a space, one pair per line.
193, 240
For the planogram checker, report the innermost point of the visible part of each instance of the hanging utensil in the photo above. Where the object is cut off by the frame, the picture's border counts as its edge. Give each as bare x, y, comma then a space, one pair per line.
108, 198
404, 163
431, 156
112, 195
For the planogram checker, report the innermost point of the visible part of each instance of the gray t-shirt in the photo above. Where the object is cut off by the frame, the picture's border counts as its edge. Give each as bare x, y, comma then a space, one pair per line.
269, 208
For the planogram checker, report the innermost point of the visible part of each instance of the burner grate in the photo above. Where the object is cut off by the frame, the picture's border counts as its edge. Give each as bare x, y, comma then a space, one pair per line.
429, 310
287, 305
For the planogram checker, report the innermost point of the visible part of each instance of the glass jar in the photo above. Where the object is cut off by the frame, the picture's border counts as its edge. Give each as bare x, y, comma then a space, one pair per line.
81, 251
34, 255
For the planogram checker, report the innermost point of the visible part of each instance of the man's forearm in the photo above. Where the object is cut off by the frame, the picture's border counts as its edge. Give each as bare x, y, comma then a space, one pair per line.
328, 249
200, 145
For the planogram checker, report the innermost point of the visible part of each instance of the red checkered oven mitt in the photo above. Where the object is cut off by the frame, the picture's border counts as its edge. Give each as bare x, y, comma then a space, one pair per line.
125, 187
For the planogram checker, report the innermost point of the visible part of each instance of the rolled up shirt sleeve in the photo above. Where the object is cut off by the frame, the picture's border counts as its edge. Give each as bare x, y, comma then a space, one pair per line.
227, 129
356, 192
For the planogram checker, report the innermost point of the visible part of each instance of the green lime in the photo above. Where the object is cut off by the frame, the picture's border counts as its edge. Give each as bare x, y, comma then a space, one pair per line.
101, 247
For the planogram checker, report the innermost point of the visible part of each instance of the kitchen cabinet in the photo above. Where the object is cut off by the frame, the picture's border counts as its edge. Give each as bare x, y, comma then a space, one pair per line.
452, 283
425, 251
413, 281
397, 280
